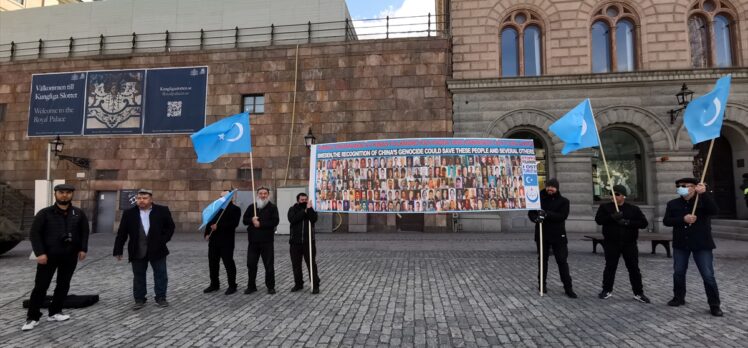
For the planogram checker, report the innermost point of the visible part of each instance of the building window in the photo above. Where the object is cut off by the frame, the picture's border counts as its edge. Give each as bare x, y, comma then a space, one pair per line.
614, 39
3, 107
521, 44
540, 153
624, 154
254, 104
711, 34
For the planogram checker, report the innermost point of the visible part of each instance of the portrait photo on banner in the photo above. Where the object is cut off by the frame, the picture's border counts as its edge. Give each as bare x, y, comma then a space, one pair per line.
430, 175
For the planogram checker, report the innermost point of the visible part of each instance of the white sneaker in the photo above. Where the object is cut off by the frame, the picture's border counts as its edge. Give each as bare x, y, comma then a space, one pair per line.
30, 324
58, 317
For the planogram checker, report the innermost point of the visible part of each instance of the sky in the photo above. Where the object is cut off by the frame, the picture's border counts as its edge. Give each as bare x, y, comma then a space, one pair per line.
372, 9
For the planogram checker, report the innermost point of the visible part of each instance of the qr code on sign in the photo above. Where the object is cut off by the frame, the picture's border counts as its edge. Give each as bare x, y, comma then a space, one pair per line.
174, 108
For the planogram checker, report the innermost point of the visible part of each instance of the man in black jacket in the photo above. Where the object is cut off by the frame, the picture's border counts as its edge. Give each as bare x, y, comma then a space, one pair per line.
302, 216
261, 219
692, 234
620, 233
149, 227
220, 233
59, 238
553, 214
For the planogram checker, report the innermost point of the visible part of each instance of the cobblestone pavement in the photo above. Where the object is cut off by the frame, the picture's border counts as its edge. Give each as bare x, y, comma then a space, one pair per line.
387, 290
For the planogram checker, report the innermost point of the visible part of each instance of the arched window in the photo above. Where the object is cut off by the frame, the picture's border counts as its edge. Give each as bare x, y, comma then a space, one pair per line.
624, 154
521, 44
540, 153
509, 52
711, 34
614, 39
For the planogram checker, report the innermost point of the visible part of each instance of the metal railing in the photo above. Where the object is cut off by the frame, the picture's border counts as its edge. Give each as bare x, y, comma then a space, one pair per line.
348, 30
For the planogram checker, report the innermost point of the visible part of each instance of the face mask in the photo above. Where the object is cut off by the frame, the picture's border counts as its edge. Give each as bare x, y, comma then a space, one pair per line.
682, 191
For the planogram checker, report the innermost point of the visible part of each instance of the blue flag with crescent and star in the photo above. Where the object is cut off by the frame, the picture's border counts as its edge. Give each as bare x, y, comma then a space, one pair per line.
211, 210
229, 135
577, 128
704, 115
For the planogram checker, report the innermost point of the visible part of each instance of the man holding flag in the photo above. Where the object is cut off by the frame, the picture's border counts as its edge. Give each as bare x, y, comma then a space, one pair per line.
261, 219
691, 222
220, 231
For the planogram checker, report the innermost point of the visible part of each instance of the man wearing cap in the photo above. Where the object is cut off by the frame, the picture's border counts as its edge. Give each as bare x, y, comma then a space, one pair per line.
302, 217
692, 234
553, 214
261, 219
149, 227
59, 238
220, 233
620, 232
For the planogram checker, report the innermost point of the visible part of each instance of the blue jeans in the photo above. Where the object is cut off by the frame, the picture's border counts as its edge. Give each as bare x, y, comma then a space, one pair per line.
704, 262
160, 279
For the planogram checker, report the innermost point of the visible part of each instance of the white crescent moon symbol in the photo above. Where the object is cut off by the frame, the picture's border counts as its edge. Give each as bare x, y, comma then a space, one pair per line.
584, 126
241, 132
717, 106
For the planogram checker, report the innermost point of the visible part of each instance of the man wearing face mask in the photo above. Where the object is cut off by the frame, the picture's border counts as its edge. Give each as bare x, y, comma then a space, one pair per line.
620, 232
553, 214
692, 234
59, 238
261, 223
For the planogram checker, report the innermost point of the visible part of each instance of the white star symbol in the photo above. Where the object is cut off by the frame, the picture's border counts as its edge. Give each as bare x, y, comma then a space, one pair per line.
221, 136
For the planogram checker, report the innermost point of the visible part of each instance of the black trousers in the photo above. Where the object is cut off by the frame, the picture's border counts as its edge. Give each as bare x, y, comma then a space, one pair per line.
560, 252
299, 252
630, 253
65, 267
221, 251
254, 252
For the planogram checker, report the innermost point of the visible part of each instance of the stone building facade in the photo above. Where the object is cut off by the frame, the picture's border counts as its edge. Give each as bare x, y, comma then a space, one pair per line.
520, 65
352, 90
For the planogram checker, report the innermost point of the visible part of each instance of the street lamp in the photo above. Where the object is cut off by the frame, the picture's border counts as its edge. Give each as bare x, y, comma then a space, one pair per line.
684, 97
54, 146
309, 139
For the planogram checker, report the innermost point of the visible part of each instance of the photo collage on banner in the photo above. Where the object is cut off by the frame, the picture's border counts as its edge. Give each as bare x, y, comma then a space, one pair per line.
425, 175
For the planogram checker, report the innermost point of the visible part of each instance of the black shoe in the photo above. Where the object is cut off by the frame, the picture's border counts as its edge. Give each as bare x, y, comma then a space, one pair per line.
297, 288
161, 302
675, 302
716, 311
642, 298
139, 304
571, 293
315, 291
249, 291
230, 290
211, 288
604, 294
271, 291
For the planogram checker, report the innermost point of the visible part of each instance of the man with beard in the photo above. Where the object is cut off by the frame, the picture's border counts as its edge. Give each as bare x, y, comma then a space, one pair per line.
149, 227
220, 234
553, 214
59, 238
302, 218
621, 227
261, 219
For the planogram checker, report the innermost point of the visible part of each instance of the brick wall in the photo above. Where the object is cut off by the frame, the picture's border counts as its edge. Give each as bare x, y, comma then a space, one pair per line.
566, 38
346, 91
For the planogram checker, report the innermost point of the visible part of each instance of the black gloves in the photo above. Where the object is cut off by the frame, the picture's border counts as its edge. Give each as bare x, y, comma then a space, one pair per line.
617, 215
541, 216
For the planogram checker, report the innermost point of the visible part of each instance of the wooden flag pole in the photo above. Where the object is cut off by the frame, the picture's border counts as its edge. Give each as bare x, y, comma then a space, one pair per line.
252, 172
311, 256
542, 247
605, 162
703, 174
293, 113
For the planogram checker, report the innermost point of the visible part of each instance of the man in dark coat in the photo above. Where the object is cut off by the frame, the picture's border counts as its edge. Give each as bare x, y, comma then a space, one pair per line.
220, 233
553, 214
692, 234
620, 233
59, 238
301, 215
149, 227
261, 223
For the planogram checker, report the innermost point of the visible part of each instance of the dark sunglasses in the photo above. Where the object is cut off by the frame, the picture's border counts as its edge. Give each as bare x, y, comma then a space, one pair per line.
682, 185
618, 194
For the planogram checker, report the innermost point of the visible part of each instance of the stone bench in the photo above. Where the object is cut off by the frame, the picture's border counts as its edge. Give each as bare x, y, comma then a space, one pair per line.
657, 239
